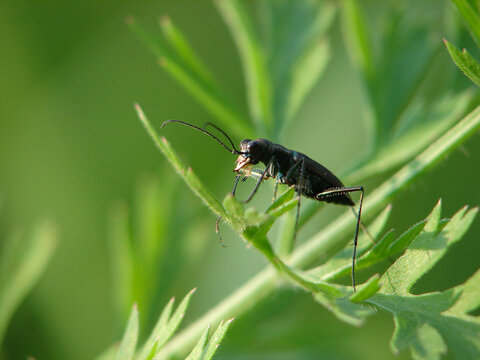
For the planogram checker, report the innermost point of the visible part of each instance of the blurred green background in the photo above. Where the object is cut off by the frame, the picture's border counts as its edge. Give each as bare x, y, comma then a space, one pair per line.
71, 147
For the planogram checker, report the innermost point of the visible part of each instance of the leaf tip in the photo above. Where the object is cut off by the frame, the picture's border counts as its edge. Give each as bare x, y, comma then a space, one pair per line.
165, 21
140, 113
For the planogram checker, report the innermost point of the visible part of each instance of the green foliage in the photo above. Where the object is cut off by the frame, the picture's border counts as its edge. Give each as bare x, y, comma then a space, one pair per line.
465, 62
409, 130
402, 118
178, 58
421, 319
22, 263
166, 325
279, 70
254, 226
470, 14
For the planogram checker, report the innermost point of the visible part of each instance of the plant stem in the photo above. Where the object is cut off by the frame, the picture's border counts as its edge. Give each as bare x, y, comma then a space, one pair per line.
263, 284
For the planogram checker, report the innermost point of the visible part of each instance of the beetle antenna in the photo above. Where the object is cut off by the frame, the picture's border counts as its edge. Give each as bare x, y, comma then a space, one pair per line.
223, 132
233, 151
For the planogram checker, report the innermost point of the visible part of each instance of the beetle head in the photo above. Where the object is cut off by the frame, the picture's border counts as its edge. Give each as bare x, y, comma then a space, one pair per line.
253, 151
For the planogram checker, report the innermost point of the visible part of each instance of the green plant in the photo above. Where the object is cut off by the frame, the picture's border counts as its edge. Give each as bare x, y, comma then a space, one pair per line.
23, 261
411, 130
164, 328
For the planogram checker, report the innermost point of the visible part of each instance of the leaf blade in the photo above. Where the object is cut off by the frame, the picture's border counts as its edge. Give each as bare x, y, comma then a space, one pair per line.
206, 92
465, 62
28, 264
256, 75
127, 346
187, 174
216, 339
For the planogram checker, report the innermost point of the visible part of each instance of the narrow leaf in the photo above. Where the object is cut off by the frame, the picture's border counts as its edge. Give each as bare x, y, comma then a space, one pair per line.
187, 174
296, 51
204, 91
176, 318
257, 78
341, 263
108, 354
158, 333
216, 339
358, 38
185, 51
282, 199
126, 350
426, 249
418, 127
197, 350
28, 262
367, 290
465, 62
406, 238
471, 17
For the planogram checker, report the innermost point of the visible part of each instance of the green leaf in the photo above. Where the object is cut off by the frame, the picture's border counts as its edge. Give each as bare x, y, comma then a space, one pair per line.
258, 81
304, 75
339, 304
109, 354
408, 49
425, 322
433, 154
469, 296
129, 340
187, 174
418, 128
465, 62
204, 350
392, 75
158, 333
165, 328
367, 290
216, 339
235, 210
185, 52
357, 38
282, 199
197, 350
341, 263
23, 262
297, 51
471, 17
186, 69
167, 331
426, 249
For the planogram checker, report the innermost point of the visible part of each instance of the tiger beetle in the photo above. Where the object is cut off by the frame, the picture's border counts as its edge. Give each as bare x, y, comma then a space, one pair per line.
291, 168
